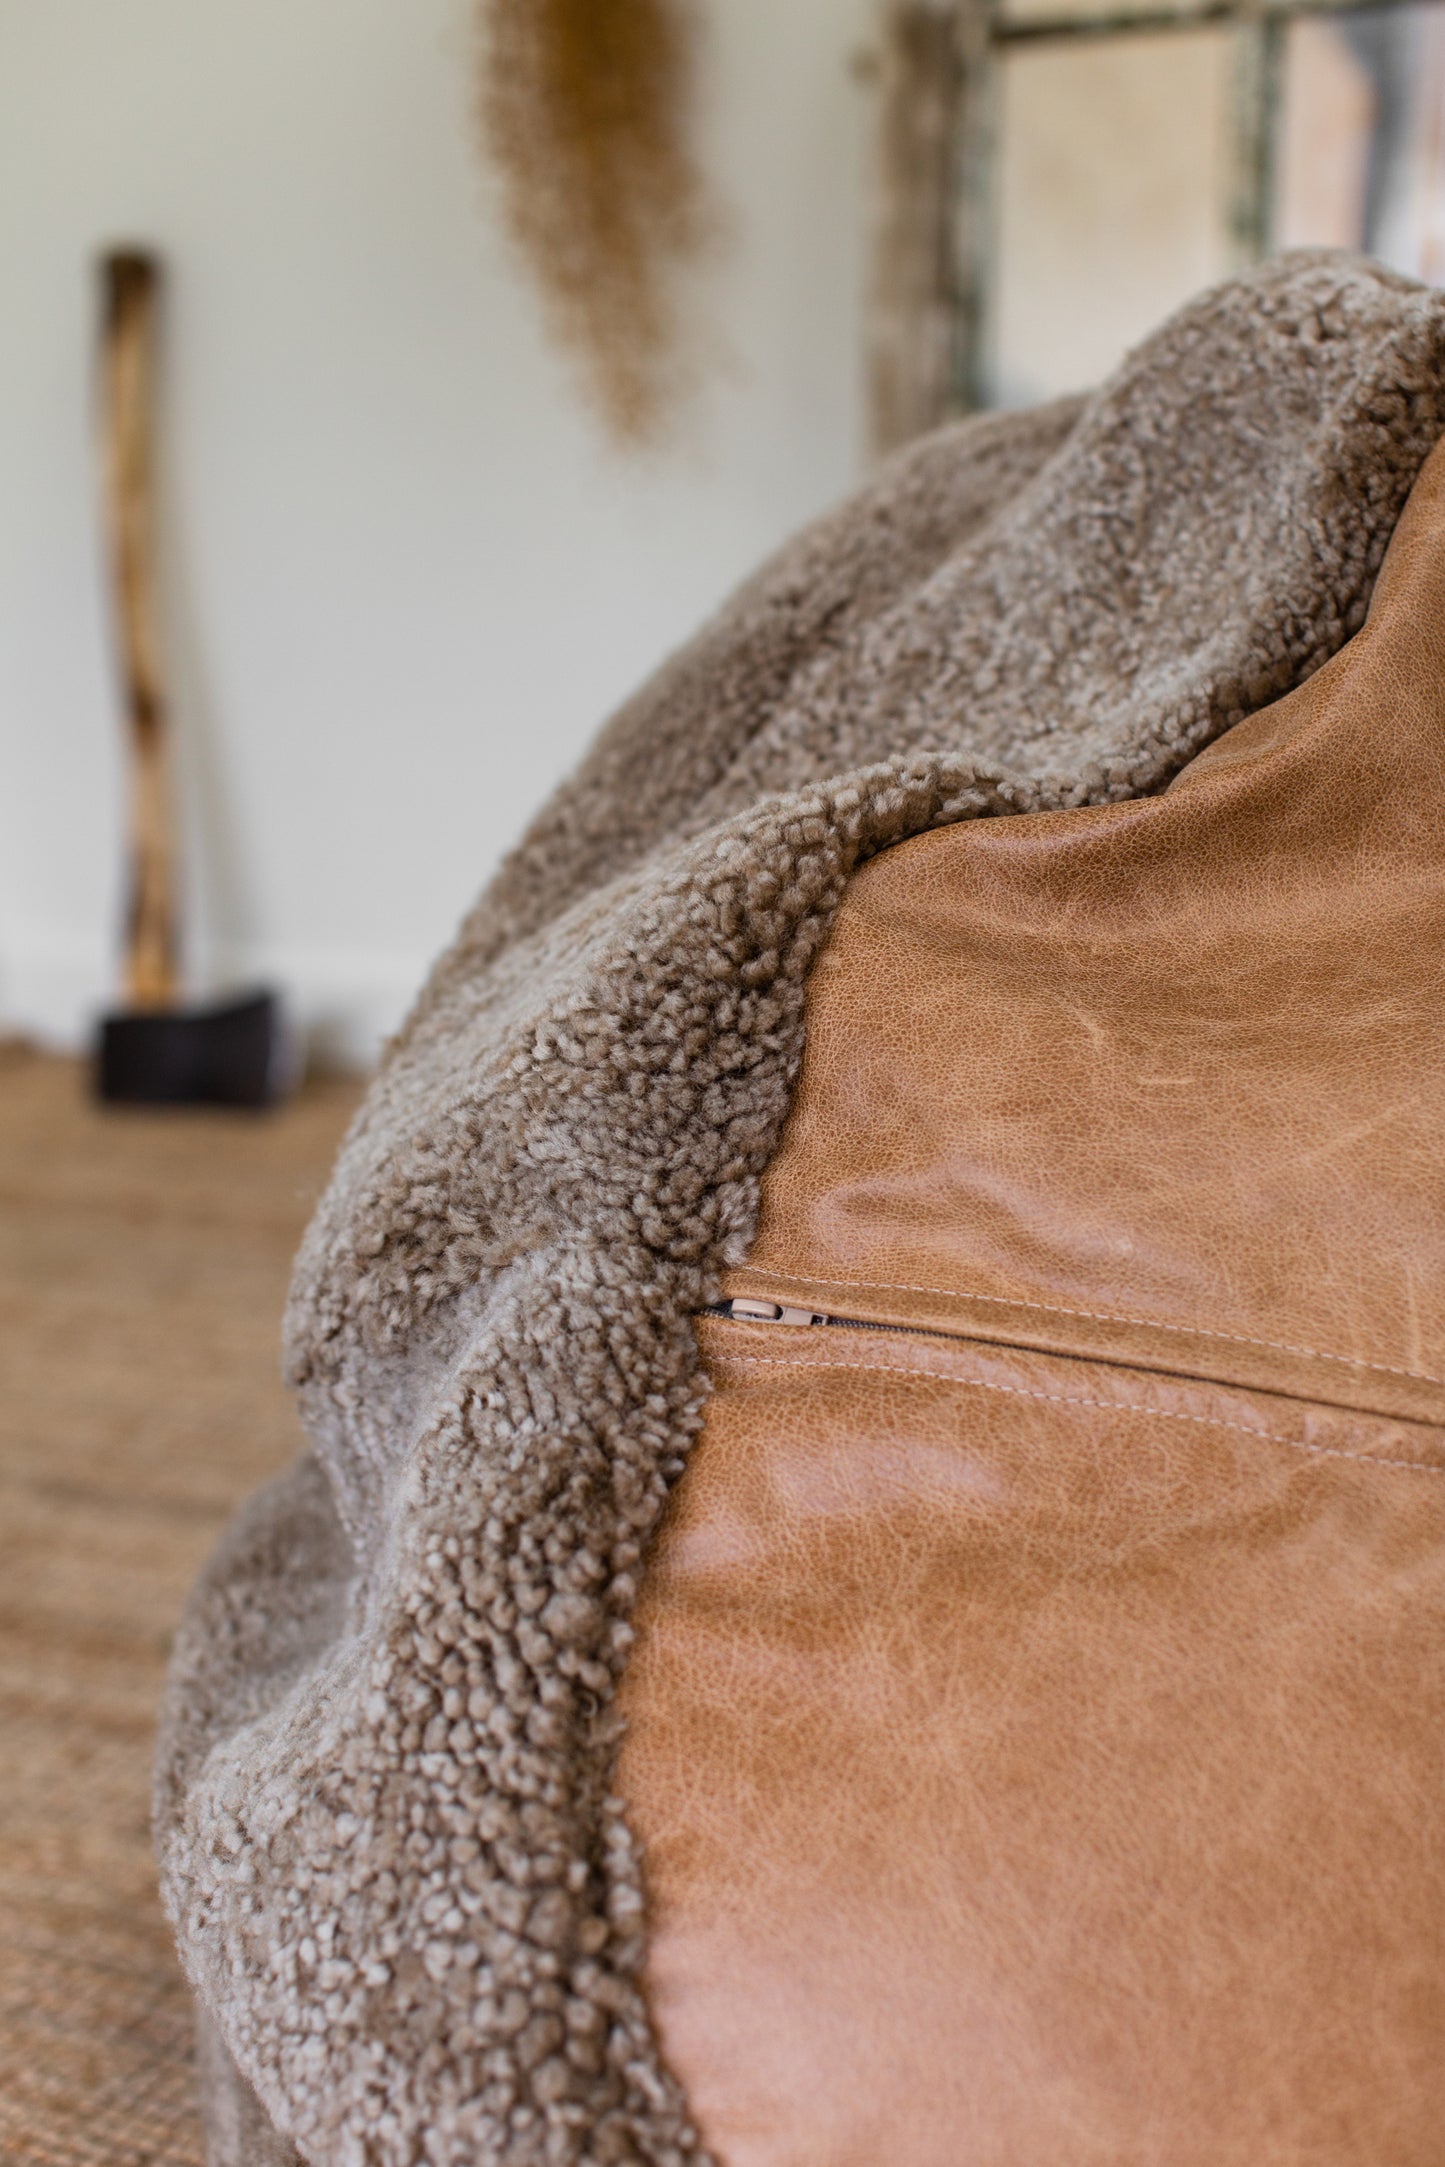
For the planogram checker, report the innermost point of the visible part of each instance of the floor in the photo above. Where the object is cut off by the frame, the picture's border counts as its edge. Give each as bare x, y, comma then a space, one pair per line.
143, 1265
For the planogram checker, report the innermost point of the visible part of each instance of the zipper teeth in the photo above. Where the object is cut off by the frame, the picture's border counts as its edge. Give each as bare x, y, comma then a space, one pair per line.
788, 1317
840, 1324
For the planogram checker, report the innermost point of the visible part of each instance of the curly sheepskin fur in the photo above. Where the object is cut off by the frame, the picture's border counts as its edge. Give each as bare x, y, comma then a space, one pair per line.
408, 1901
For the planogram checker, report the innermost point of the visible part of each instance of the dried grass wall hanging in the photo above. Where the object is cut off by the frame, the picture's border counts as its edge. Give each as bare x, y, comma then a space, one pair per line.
585, 108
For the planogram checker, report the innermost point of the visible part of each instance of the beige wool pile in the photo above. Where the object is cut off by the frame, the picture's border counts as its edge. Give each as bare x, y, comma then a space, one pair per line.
406, 1897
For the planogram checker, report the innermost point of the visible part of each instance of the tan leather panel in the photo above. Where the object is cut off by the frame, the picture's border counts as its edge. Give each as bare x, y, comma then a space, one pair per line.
1161, 1081
1039, 1764
1038, 1737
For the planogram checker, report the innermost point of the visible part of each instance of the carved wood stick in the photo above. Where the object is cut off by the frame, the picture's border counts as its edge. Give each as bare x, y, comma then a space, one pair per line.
131, 283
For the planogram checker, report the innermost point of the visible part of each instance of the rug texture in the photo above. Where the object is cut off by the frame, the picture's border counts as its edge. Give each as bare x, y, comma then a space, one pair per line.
405, 1895
144, 1255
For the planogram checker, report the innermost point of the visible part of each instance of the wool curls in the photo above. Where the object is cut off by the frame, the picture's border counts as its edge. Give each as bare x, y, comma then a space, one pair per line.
585, 109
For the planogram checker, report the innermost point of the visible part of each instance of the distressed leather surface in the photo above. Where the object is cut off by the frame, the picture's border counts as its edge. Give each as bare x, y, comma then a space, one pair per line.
1160, 1080
1037, 1735
1039, 1761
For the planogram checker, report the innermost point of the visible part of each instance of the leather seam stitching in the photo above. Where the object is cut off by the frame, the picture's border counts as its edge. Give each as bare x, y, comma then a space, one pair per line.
1111, 1407
1097, 1316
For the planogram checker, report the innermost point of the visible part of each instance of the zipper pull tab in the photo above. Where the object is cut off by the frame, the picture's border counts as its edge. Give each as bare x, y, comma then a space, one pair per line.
746, 1310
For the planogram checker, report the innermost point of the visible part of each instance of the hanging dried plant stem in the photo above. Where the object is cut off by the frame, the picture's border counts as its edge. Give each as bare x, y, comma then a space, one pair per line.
585, 108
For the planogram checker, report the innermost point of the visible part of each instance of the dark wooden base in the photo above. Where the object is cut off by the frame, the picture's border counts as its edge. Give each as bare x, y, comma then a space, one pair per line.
237, 1053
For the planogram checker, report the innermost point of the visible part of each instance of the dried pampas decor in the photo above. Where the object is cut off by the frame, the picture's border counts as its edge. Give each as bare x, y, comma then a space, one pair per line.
585, 106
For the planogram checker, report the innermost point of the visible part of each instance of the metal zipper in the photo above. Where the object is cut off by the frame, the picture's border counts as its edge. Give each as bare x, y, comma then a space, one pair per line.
751, 1309
747, 1309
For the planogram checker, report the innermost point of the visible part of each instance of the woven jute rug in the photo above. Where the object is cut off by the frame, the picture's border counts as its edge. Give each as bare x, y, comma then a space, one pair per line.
143, 1266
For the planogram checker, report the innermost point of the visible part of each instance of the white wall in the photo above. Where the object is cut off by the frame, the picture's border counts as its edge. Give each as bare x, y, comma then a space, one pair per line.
1113, 193
405, 579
